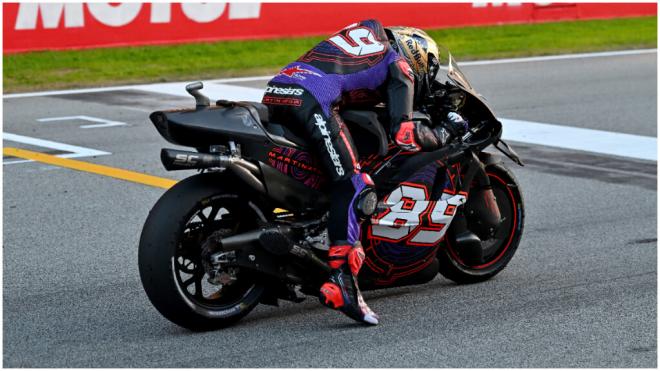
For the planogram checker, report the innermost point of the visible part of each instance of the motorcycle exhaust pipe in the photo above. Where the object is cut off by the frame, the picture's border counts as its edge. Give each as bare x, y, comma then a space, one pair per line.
174, 159
276, 242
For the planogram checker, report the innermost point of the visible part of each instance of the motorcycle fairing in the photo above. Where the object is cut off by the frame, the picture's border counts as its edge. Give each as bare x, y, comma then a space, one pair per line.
298, 164
292, 194
404, 236
199, 128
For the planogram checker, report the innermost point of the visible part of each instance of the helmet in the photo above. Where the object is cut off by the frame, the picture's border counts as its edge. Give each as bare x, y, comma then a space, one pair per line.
421, 53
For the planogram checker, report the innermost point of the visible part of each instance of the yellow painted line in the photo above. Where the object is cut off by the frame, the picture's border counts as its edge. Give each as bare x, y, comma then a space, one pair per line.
112, 172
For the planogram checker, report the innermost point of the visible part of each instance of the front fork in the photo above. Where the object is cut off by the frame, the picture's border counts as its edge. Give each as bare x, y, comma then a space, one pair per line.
481, 209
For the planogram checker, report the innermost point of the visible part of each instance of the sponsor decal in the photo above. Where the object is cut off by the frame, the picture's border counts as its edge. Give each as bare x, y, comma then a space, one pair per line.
415, 52
284, 90
295, 102
272, 155
321, 124
222, 313
30, 25
297, 72
300, 165
186, 160
55, 15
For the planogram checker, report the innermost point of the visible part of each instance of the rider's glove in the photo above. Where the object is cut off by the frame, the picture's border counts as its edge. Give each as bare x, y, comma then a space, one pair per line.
455, 124
442, 135
405, 137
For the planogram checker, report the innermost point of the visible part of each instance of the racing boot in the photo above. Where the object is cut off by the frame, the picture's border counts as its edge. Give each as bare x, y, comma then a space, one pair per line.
342, 291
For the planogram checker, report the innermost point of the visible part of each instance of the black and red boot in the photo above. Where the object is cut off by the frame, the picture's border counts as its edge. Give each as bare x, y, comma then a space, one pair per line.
342, 291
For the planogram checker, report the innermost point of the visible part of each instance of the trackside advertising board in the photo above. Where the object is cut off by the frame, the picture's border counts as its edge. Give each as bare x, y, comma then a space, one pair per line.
50, 25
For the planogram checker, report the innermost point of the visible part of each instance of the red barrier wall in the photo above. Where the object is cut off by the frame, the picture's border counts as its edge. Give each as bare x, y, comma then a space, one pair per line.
39, 26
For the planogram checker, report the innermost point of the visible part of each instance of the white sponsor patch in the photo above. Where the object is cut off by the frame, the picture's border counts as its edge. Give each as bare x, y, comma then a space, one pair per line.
284, 90
320, 123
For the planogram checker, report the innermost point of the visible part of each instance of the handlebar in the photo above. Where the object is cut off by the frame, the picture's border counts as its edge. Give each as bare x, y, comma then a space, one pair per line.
467, 136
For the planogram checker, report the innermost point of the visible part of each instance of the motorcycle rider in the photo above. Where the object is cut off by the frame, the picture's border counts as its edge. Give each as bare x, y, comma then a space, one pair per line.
361, 65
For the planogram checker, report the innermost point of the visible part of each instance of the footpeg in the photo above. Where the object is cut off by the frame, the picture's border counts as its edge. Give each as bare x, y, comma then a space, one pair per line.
295, 296
277, 243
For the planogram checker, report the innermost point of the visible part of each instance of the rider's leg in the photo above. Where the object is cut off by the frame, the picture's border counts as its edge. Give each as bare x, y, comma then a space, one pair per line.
346, 255
333, 144
339, 157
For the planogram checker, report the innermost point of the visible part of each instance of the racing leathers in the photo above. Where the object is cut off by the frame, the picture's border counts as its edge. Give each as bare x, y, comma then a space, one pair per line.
356, 66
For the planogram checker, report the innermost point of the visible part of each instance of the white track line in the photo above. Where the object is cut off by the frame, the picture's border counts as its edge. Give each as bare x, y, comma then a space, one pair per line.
213, 91
242, 79
589, 140
75, 151
67, 92
559, 57
261, 78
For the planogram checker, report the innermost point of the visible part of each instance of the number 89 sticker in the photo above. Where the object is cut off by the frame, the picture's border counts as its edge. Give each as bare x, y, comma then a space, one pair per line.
412, 216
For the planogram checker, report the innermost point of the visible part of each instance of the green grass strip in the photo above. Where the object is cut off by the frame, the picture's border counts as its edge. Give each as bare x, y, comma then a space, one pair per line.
114, 66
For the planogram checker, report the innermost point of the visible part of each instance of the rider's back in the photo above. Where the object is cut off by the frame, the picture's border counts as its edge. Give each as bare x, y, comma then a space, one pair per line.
352, 64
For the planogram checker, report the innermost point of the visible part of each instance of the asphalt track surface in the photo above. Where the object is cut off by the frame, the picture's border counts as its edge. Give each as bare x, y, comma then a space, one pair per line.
580, 292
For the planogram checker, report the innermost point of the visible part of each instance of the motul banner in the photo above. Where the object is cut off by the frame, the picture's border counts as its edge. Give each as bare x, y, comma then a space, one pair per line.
49, 25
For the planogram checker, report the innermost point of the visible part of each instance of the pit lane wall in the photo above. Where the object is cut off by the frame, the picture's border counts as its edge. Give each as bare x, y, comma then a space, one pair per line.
42, 26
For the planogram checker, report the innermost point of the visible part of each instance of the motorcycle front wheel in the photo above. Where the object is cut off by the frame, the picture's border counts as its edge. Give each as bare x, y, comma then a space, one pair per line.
169, 256
499, 249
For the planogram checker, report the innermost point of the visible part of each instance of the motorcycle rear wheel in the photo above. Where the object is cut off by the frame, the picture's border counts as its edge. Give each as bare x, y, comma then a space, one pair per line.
169, 253
499, 250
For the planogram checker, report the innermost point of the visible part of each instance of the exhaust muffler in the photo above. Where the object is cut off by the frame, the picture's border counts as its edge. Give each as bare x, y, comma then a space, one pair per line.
174, 159
275, 241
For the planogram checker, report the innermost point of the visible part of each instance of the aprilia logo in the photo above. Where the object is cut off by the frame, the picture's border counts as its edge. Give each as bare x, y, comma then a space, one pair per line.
284, 91
320, 123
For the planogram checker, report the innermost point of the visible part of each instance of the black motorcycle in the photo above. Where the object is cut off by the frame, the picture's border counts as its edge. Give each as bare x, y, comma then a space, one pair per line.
251, 227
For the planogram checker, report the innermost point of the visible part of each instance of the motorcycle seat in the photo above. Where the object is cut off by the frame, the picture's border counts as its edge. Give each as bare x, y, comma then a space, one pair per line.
279, 134
275, 128
365, 120
262, 110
